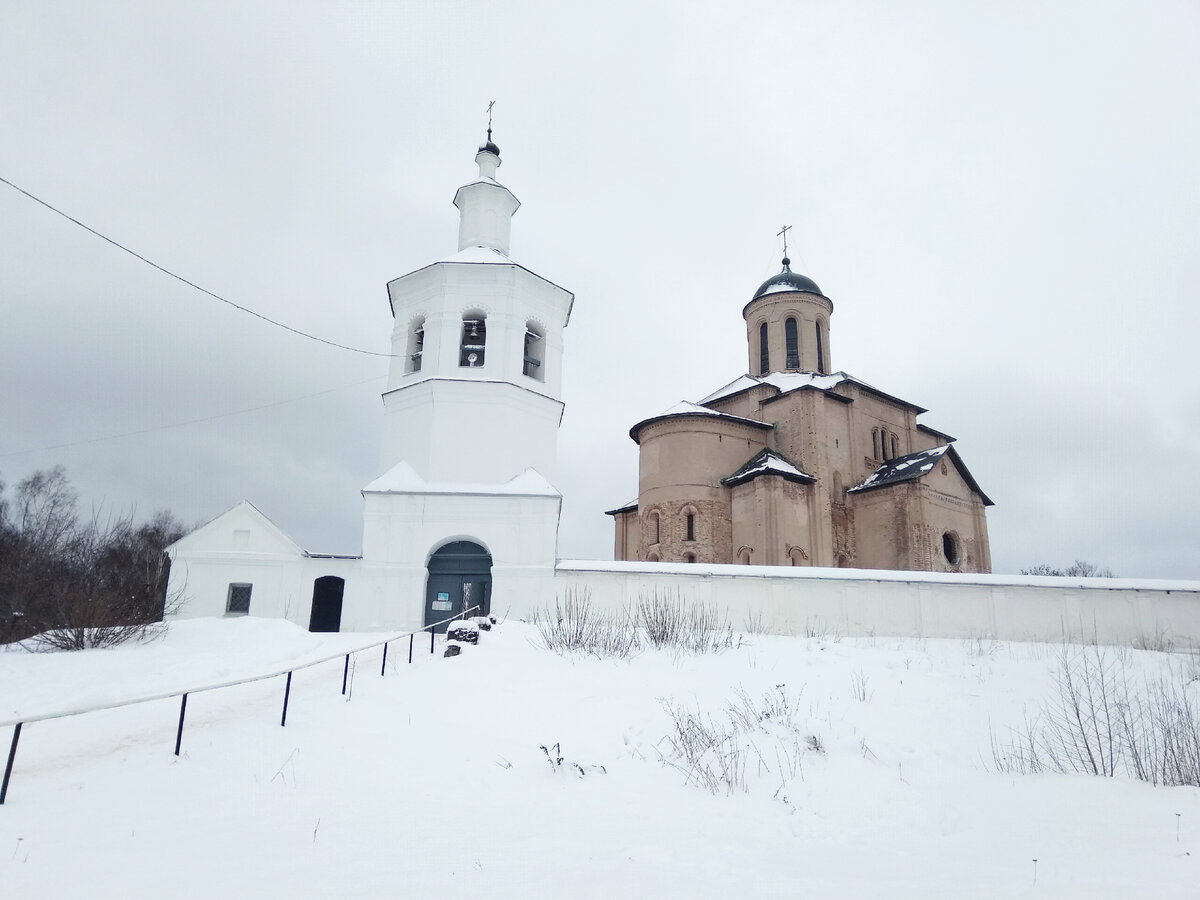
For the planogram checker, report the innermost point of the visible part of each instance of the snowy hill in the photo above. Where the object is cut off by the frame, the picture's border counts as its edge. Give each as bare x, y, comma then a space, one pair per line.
847, 768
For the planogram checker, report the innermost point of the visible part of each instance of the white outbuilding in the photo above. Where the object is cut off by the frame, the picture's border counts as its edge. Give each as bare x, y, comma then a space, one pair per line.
458, 517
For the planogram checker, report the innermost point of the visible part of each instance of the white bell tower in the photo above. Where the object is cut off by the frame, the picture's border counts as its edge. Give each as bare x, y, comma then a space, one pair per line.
470, 415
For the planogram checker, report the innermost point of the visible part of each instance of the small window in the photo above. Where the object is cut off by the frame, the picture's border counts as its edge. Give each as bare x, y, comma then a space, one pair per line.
474, 341
689, 558
820, 351
792, 340
764, 353
895, 446
535, 353
652, 528
237, 603
689, 526
950, 547
744, 556
416, 345
875, 444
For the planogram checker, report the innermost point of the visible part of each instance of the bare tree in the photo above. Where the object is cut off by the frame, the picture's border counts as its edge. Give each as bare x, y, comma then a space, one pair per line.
78, 583
1078, 569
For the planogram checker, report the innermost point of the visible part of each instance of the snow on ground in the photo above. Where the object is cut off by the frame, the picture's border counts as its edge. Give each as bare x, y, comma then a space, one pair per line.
430, 781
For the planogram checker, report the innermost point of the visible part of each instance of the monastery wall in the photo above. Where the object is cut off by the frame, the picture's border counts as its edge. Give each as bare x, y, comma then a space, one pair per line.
860, 602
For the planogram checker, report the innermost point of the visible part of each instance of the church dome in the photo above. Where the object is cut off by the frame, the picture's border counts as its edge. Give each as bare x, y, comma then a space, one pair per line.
787, 280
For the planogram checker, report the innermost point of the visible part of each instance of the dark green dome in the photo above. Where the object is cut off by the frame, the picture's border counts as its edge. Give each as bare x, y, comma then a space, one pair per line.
787, 280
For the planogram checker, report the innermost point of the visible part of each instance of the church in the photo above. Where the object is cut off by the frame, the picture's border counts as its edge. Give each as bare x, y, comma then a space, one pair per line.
800, 465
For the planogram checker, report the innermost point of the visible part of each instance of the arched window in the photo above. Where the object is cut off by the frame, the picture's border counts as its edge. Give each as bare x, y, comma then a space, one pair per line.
764, 353
791, 339
895, 445
797, 555
689, 557
416, 344
535, 352
744, 555
875, 454
652, 557
652, 534
689, 526
474, 340
950, 547
820, 350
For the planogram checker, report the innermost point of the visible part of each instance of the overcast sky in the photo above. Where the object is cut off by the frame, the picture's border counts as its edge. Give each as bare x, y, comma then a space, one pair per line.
1002, 201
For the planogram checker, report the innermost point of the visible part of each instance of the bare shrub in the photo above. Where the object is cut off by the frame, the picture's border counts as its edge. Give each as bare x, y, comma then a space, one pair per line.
574, 625
1102, 722
715, 752
670, 621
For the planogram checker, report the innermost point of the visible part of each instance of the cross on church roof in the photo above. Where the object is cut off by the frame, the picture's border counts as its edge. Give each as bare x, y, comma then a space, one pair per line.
783, 233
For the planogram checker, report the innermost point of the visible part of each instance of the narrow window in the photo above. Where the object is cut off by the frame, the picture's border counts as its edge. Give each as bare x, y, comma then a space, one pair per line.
895, 446
820, 351
764, 354
793, 344
652, 528
237, 601
416, 345
474, 341
689, 558
535, 352
950, 547
690, 527
875, 444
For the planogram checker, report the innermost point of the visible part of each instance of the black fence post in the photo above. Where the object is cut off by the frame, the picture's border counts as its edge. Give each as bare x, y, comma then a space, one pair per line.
179, 730
12, 754
345, 673
383, 664
287, 691
410, 643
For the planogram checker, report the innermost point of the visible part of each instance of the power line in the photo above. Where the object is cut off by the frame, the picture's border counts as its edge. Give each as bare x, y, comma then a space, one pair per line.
113, 437
191, 284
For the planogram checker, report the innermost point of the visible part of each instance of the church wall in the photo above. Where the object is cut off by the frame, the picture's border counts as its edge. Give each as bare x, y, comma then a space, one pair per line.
796, 601
772, 518
681, 464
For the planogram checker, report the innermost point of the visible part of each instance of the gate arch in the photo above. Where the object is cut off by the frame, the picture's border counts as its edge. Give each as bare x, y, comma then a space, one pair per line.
460, 576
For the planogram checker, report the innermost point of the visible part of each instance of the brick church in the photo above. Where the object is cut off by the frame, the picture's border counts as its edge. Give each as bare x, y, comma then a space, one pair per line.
801, 465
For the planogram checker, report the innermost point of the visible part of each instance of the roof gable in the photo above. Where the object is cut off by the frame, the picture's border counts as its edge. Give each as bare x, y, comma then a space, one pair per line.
768, 462
242, 529
917, 465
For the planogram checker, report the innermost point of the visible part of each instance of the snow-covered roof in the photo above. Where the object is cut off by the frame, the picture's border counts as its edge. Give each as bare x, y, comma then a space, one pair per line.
768, 462
917, 465
478, 255
684, 408
403, 479
785, 382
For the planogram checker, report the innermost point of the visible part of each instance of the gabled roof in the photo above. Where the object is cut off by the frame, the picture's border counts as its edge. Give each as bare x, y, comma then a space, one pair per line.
786, 382
917, 465
628, 507
246, 512
683, 409
768, 462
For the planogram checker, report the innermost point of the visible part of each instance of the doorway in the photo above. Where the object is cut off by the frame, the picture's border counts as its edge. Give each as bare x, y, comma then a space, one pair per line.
326, 612
460, 576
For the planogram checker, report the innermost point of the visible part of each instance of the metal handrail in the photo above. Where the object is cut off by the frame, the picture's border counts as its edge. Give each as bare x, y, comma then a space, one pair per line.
224, 684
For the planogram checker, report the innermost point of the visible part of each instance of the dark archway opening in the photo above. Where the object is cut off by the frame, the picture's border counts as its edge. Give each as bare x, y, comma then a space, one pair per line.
460, 576
326, 612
